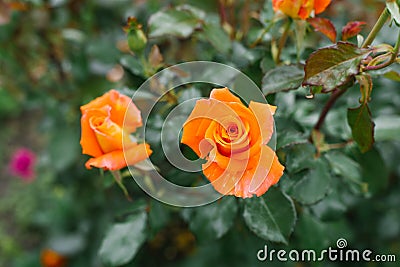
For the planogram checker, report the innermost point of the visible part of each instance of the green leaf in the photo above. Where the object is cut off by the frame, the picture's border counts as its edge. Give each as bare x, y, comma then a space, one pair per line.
217, 37
362, 126
393, 8
123, 240
312, 232
282, 78
271, 216
344, 166
133, 64
349, 169
392, 75
374, 170
332, 206
311, 186
387, 128
212, 221
333, 66
180, 23
299, 157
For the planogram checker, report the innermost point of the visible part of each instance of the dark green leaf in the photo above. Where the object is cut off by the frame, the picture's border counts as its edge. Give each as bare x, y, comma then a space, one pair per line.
123, 240
282, 78
180, 23
312, 232
132, 64
362, 126
374, 170
217, 37
271, 216
344, 166
299, 157
311, 186
349, 170
212, 221
387, 128
333, 66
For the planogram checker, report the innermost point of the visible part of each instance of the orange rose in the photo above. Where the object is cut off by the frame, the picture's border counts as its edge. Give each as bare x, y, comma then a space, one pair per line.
233, 138
300, 8
50, 258
105, 133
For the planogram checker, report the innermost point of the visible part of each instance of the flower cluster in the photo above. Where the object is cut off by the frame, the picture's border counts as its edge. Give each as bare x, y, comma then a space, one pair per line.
232, 137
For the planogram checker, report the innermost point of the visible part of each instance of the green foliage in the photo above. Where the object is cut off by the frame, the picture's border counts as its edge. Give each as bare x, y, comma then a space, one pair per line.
333, 66
180, 23
282, 78
123, 240
212, 221
362, 126
341, 177
271, 216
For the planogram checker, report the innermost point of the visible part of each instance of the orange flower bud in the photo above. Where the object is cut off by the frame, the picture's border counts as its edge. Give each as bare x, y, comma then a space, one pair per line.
300, 8
50, 258
106, 125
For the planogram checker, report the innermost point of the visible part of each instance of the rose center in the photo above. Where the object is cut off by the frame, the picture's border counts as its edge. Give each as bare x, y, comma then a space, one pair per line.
233, 130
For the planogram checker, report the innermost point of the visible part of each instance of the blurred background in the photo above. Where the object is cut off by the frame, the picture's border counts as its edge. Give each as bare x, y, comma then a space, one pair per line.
56, 55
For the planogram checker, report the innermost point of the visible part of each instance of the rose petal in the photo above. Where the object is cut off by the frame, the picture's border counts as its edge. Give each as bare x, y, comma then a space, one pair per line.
116, 160
120, 105
125, 112
264, 164
321, 5
263, 114
306, 8
89, 143
275, 173
224, 95
109, 135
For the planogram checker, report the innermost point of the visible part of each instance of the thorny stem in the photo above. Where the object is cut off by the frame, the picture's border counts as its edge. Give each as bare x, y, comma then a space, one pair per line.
334, 96
283, 39
377, 27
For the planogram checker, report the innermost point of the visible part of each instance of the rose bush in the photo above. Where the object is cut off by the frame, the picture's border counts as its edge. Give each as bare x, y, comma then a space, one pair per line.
107, 123
233, 138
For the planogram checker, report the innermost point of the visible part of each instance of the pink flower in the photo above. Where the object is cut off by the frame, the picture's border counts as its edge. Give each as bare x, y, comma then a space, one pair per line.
22, 164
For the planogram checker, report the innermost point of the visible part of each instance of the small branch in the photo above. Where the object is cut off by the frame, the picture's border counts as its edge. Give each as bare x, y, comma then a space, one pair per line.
222, 12
283, 39
392, 59
334, 96
377, 27
118, 180
261, 35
